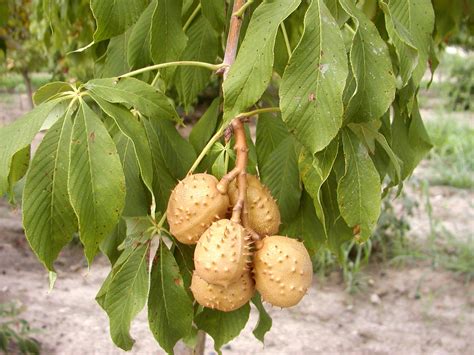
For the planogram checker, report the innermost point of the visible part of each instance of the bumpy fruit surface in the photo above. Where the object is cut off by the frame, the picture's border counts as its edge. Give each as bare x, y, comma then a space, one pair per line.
222, 253
226, 299
283, 271
193, 205
263, 212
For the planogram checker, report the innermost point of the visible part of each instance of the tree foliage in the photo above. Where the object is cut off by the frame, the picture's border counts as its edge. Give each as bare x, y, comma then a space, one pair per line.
334, 85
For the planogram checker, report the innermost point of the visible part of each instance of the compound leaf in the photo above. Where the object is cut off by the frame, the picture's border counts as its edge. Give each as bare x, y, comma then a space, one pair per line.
48, 217
252, 70
170, 309
113, 17
371, 68
313, 82
358, 190
223, 326
143, 97
96, 181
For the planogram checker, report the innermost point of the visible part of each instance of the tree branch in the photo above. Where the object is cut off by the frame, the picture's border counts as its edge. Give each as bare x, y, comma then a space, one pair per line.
232, 37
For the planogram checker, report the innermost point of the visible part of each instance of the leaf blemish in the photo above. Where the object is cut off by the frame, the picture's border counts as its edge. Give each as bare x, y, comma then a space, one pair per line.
92, 136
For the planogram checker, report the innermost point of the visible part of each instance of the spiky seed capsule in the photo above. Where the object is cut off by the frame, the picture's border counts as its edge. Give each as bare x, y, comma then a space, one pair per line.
193, 206
221, 253
225, 299
293, 276
263, 212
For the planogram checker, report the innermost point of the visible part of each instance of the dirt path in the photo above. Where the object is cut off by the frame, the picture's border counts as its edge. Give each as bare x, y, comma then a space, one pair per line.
408, 310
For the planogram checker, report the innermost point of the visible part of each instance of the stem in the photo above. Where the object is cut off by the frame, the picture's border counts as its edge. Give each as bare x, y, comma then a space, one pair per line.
349, 28
174, 64
240, 146
208, 146
191, 17
155, 79
233, 37
240, 170
285, 37
258, 111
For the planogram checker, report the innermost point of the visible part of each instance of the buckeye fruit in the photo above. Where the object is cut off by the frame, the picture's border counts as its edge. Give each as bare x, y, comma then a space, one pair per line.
222, 253
263, 212
193, 205
226, 299
282, 270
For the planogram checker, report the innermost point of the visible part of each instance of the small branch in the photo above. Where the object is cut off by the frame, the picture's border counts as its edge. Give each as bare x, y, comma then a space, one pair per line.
258, 111
232, 37
285, 37
174, 64
240, 164
191, 17
240, 170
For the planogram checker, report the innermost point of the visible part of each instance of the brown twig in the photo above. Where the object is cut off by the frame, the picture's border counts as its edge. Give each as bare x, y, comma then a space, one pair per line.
232, 37
239, 211
241, 148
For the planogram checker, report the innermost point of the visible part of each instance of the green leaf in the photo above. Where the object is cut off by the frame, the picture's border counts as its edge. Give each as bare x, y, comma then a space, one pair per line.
250, 74
280, 54
134, 130
338, 231
219, 168
410, 141
50, 91
371, 67
170, 309
177, 152
18, 168
143, 97
337, 12
214, 11
416, 19
116, 56
109, 245
137, 199
313, 83
96, 182
48, 217
358, 191
202, 46
126, 296
113, 17
401, 38
271, 131
223, 326
167, 36
280, 174
306, 226
139, 43
139, 231
163, 180
314, 171
18, 135
205, 127
369, 134
264, 323
184, 255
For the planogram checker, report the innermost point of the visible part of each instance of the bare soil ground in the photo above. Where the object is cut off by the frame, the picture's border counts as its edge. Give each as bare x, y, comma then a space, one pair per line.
415, 309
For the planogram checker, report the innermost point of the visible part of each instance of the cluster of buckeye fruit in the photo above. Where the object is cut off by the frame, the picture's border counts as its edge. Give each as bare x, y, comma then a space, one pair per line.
229, 266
